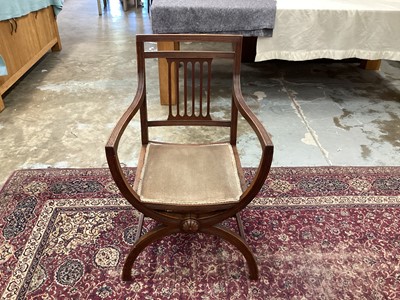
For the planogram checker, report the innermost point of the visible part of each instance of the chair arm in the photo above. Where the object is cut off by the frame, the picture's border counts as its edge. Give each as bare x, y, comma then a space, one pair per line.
250, 117
113, 141
111, 148
267, 148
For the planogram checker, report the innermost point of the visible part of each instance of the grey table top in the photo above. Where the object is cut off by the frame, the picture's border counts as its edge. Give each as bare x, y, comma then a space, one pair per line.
250, 18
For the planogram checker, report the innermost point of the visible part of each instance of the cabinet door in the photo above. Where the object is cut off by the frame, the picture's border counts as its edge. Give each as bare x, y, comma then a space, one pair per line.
7, 37
18, 44
5, 52
46, 29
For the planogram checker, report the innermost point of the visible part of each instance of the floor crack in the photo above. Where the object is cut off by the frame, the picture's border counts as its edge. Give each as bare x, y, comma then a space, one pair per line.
302, 116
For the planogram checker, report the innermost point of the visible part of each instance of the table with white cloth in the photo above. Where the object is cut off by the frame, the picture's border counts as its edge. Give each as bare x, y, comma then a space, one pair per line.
334, 29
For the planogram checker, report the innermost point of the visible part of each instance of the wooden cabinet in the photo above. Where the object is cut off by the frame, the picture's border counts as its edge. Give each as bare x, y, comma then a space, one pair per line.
46, 29
23, 41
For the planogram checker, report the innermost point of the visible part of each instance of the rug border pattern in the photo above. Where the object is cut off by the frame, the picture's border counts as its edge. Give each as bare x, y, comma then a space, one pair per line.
16, 282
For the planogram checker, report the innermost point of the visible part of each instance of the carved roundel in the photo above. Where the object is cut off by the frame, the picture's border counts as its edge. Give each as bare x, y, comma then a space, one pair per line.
190, 225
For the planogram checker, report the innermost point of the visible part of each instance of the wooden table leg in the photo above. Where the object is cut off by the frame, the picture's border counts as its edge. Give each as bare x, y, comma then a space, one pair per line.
99, 8
373, 65
249, 49
1, 103
163, 73
57, 46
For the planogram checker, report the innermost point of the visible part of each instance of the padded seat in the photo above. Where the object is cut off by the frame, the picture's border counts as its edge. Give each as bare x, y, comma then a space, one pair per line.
189, 175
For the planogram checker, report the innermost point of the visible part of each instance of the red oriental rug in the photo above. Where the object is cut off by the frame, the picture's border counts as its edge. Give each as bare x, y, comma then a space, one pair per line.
317, 233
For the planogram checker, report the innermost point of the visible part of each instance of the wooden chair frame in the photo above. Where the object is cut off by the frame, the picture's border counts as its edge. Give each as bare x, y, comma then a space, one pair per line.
198, 218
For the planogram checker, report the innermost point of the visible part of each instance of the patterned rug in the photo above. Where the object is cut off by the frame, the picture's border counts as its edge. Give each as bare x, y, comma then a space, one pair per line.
317, 233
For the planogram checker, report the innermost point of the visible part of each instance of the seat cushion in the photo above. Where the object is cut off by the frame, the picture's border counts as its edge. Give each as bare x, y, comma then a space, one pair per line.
189, 175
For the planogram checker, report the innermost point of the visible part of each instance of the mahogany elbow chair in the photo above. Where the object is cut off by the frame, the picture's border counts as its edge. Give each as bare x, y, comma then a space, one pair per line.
193, 187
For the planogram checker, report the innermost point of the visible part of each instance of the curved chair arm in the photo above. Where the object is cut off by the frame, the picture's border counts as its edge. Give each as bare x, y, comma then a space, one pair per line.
112, 145
267, 149
113, 141
114, 164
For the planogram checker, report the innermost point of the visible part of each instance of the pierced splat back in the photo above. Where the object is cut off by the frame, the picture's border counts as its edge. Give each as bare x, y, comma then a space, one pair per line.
189, 82
196, 89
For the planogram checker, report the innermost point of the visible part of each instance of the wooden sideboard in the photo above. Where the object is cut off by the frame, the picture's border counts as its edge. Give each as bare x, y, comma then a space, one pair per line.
23, 41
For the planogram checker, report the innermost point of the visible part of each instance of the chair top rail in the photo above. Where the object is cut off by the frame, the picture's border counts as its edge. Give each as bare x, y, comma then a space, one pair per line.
220, 38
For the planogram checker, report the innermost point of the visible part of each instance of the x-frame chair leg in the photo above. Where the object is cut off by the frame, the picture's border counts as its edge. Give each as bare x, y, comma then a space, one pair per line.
161, 231
237, 216
150, 237
239, 243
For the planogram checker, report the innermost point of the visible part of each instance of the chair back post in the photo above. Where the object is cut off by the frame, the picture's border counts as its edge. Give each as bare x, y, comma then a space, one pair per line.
234, 123
141, 71
236, 74
144, 122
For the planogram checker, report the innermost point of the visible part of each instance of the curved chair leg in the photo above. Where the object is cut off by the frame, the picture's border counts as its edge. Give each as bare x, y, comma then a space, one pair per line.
150, 237
239, 243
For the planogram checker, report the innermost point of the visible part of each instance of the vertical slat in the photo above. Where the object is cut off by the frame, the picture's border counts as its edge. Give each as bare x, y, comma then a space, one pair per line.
208, 88
176, 64
170, 88
201, 88
193, 86
185, 92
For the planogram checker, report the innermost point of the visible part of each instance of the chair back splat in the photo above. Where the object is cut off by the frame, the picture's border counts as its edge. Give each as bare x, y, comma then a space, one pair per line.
191, 186
188, 112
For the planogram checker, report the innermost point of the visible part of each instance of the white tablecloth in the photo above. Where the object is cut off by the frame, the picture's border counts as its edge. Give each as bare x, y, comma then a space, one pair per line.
337, 29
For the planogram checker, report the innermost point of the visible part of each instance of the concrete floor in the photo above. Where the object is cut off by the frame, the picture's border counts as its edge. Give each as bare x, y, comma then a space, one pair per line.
318, 113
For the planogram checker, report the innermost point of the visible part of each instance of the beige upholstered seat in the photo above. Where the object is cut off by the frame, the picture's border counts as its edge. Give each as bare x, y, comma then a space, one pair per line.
175, 174
193, 187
